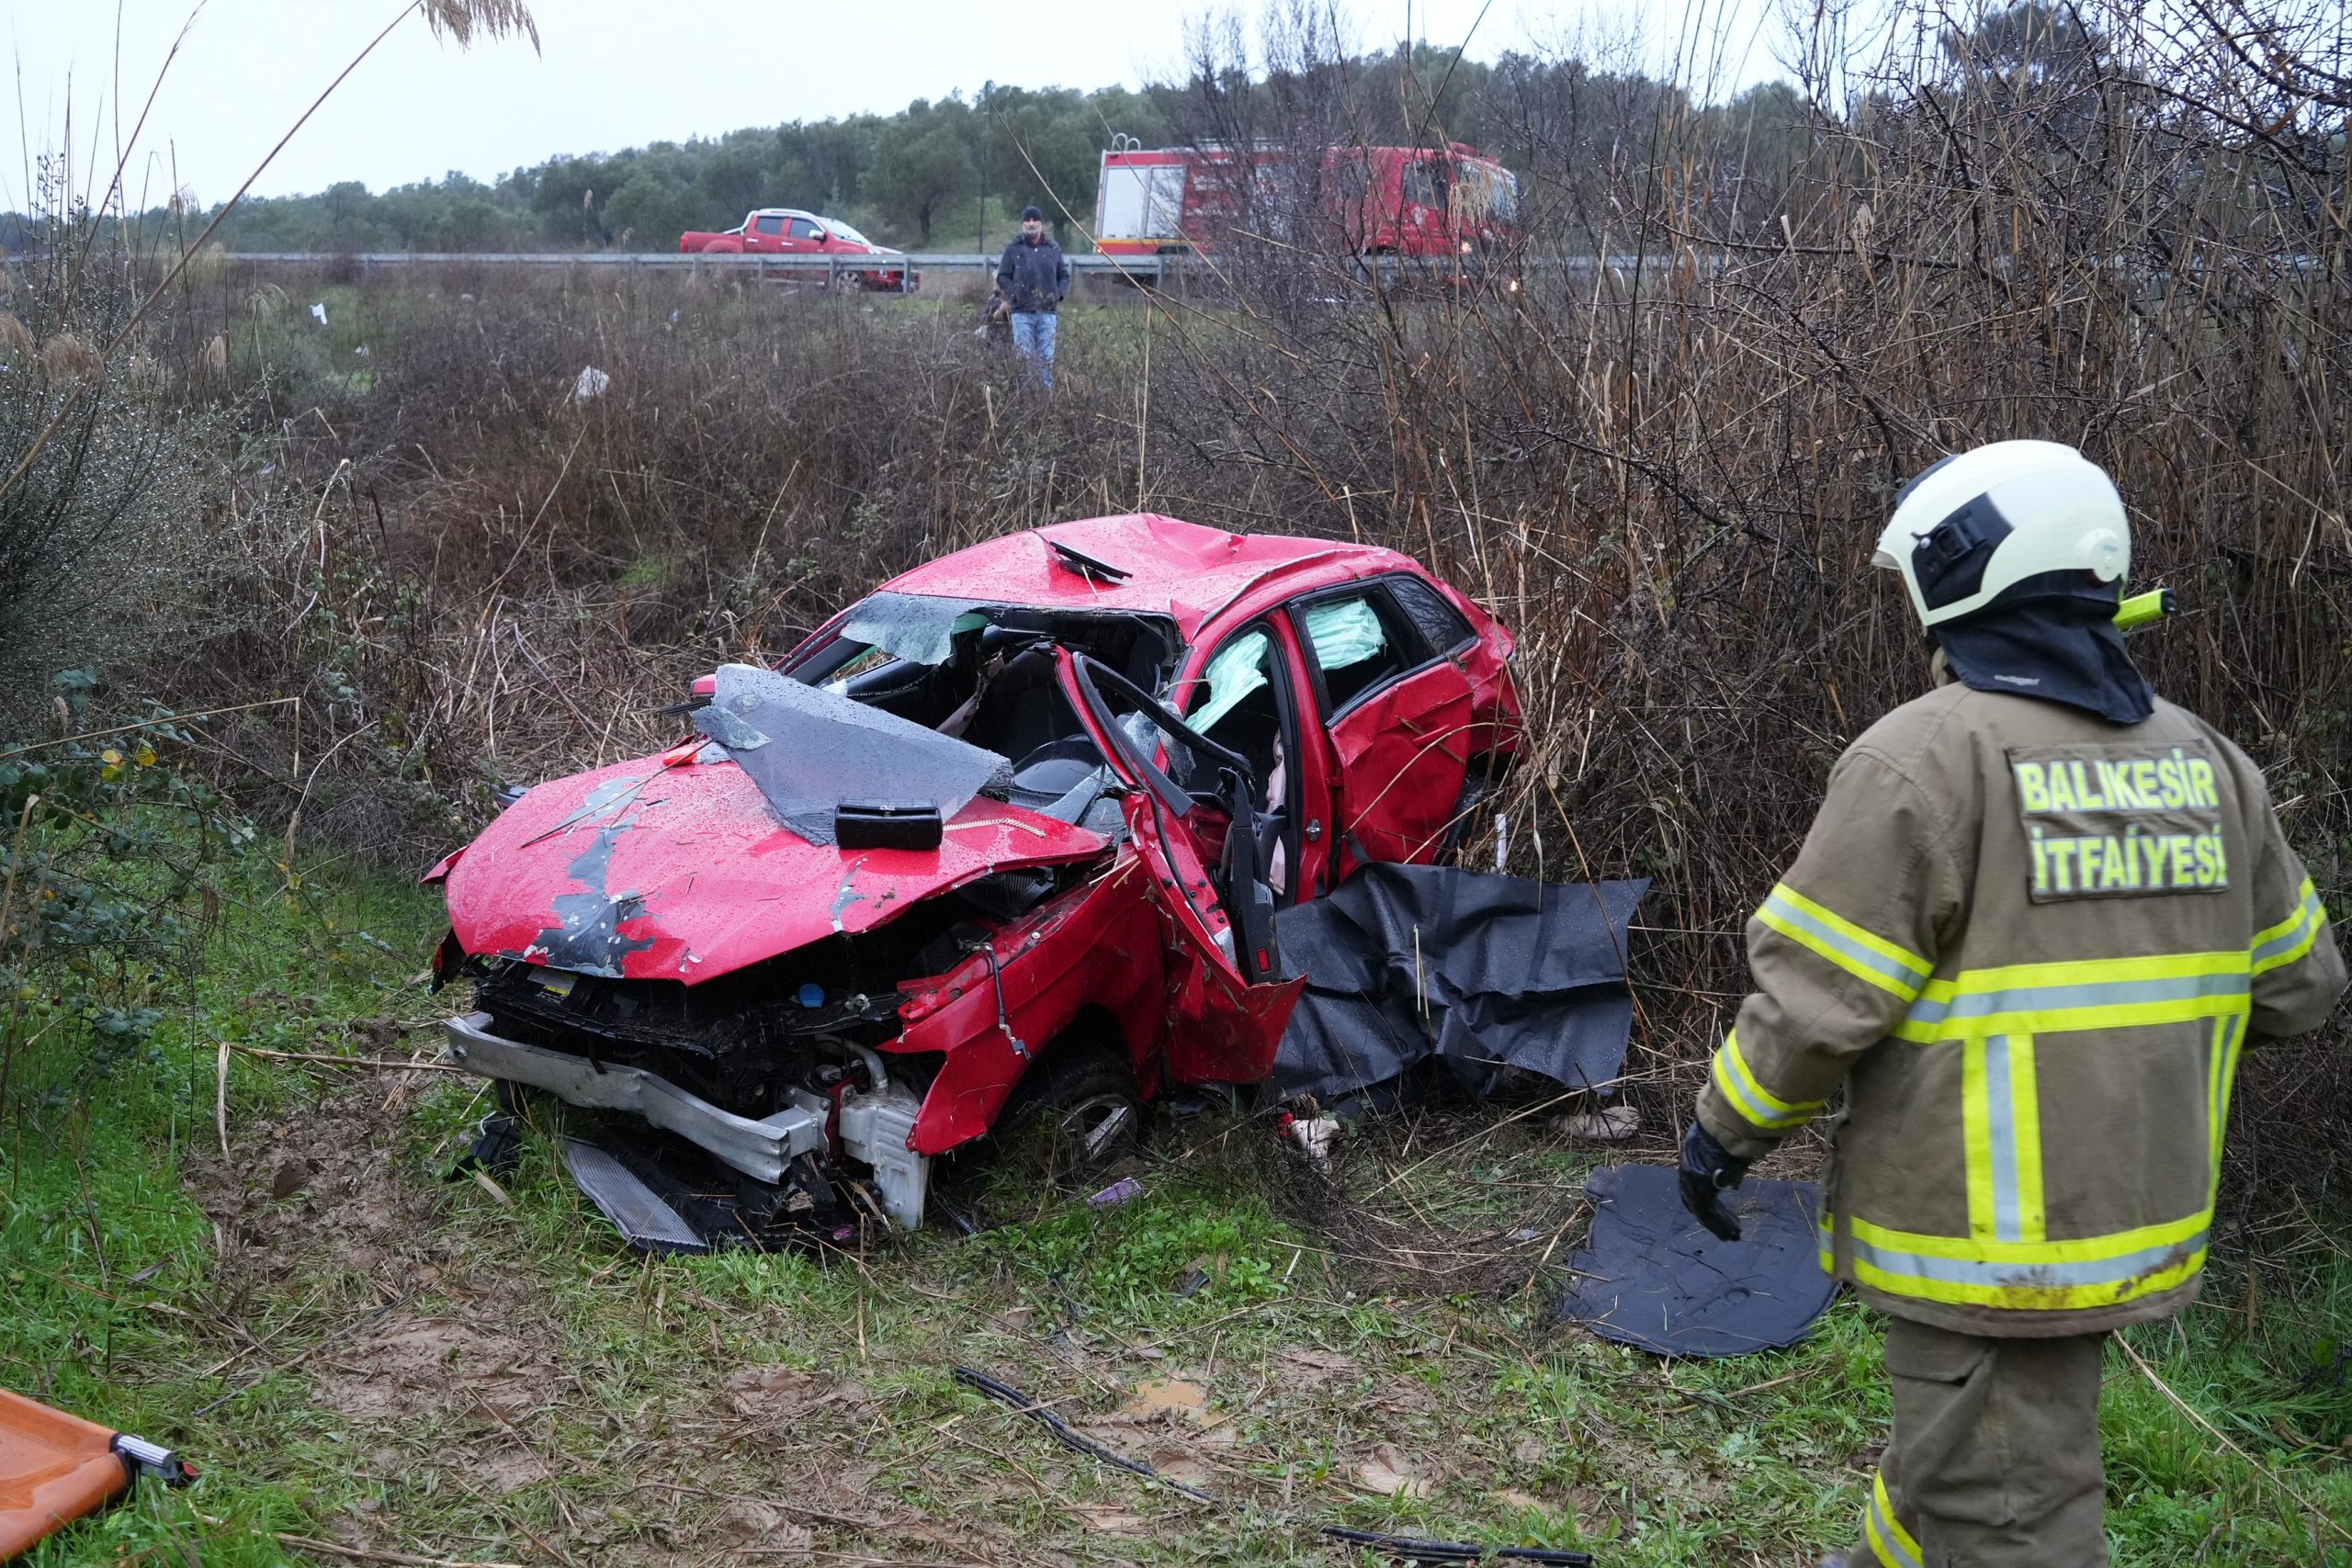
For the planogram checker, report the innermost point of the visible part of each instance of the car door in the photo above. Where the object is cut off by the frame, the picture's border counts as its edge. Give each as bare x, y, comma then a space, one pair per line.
765, 234
1398, 717
800, 234
1228, 1026
1245, 698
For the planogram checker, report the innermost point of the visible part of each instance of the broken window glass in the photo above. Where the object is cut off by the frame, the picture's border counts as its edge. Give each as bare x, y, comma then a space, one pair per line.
918, 628
1441, 623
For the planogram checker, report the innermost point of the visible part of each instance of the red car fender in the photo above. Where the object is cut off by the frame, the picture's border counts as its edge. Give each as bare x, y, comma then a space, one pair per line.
1105, 951
1494, 696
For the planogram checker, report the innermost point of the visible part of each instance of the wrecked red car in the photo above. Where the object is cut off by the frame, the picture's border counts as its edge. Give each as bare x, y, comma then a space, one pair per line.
1004, 838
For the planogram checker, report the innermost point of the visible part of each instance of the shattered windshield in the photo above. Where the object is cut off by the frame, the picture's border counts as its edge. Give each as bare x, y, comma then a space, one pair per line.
975, 670
981, 677
918, 628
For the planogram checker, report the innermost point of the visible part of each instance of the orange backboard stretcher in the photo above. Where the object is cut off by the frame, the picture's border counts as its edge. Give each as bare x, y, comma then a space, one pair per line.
56, 1468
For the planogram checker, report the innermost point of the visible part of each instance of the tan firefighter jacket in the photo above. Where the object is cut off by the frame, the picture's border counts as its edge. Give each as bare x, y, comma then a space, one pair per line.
2030, 944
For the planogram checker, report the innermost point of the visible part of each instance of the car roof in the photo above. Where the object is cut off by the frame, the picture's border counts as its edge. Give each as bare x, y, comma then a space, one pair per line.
1179, 570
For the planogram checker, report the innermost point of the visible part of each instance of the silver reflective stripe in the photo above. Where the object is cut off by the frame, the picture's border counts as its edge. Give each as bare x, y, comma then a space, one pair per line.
1856, 956
1886, 1536
2066, 998
2027, 1276
2309, 912
2000, 1109
1727, 1075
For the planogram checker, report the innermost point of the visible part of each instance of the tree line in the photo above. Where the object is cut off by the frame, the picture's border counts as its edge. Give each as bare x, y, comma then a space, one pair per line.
944, 173
952, 174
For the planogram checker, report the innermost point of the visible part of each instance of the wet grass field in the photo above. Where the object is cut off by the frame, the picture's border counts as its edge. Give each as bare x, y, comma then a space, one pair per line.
371, 1363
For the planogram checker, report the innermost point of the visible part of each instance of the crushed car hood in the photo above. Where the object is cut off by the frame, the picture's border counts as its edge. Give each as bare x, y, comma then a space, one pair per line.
674, 868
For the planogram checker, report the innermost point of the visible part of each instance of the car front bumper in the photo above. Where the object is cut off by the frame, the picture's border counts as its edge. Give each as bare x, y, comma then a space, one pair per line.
758, 1148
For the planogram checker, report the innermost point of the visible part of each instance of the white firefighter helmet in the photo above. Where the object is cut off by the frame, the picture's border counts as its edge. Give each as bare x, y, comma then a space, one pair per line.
1984, 521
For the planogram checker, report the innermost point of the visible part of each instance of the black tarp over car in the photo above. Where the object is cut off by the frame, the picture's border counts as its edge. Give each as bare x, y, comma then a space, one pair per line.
1407, 964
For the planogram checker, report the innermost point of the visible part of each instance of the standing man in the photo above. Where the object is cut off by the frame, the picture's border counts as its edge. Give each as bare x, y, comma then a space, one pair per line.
1033, 277
2039, 915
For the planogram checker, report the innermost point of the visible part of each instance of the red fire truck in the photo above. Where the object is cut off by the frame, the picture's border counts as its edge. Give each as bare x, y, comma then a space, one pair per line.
1425, 201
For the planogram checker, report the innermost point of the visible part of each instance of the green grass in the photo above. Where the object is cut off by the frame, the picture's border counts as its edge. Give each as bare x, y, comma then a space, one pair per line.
415, 1366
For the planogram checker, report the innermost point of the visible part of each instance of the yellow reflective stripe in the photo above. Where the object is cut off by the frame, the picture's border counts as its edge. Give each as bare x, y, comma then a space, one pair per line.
2051, 1275
2305, 897
1889, 1541
2077, 971
1757, 1105
2293, 937
2022, 1291
2029, 1254
2001, 1138
1976, 1139
1861, 954
2049, 998
2222, 1074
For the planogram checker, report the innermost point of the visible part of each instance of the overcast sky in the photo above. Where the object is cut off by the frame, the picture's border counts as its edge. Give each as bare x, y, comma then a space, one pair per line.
609, 73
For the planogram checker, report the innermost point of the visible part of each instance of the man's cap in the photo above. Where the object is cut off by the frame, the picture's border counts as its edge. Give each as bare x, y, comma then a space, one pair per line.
1029, 213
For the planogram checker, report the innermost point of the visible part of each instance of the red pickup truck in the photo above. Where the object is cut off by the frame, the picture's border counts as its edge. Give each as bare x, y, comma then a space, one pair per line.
790, 232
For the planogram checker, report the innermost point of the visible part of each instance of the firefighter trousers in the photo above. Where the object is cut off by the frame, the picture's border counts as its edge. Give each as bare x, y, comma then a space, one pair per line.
1993, 1462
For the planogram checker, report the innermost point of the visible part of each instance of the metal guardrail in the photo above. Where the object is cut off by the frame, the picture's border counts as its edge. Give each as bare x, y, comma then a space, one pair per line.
1155, 272
943, 261
831, 266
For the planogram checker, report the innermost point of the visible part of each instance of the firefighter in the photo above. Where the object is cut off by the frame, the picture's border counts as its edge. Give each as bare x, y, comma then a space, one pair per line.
2040, 914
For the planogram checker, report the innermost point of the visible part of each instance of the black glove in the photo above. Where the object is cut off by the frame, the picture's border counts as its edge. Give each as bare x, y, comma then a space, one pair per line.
1707, 1169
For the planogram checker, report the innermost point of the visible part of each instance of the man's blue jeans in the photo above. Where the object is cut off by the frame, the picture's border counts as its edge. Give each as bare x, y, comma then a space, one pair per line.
1032, 339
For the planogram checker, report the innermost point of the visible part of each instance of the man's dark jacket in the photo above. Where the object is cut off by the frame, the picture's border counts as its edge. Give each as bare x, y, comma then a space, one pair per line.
1034, 277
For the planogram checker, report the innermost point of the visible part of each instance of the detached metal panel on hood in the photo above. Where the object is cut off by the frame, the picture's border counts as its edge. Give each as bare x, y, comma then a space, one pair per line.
673, 868
812, 751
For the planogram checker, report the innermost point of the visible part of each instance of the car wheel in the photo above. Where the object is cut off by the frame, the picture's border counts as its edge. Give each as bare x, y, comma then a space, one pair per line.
513, 1099
1073, 1116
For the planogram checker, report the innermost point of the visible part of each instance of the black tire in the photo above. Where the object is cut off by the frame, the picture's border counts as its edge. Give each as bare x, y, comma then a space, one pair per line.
1072, 1116
515, 1099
